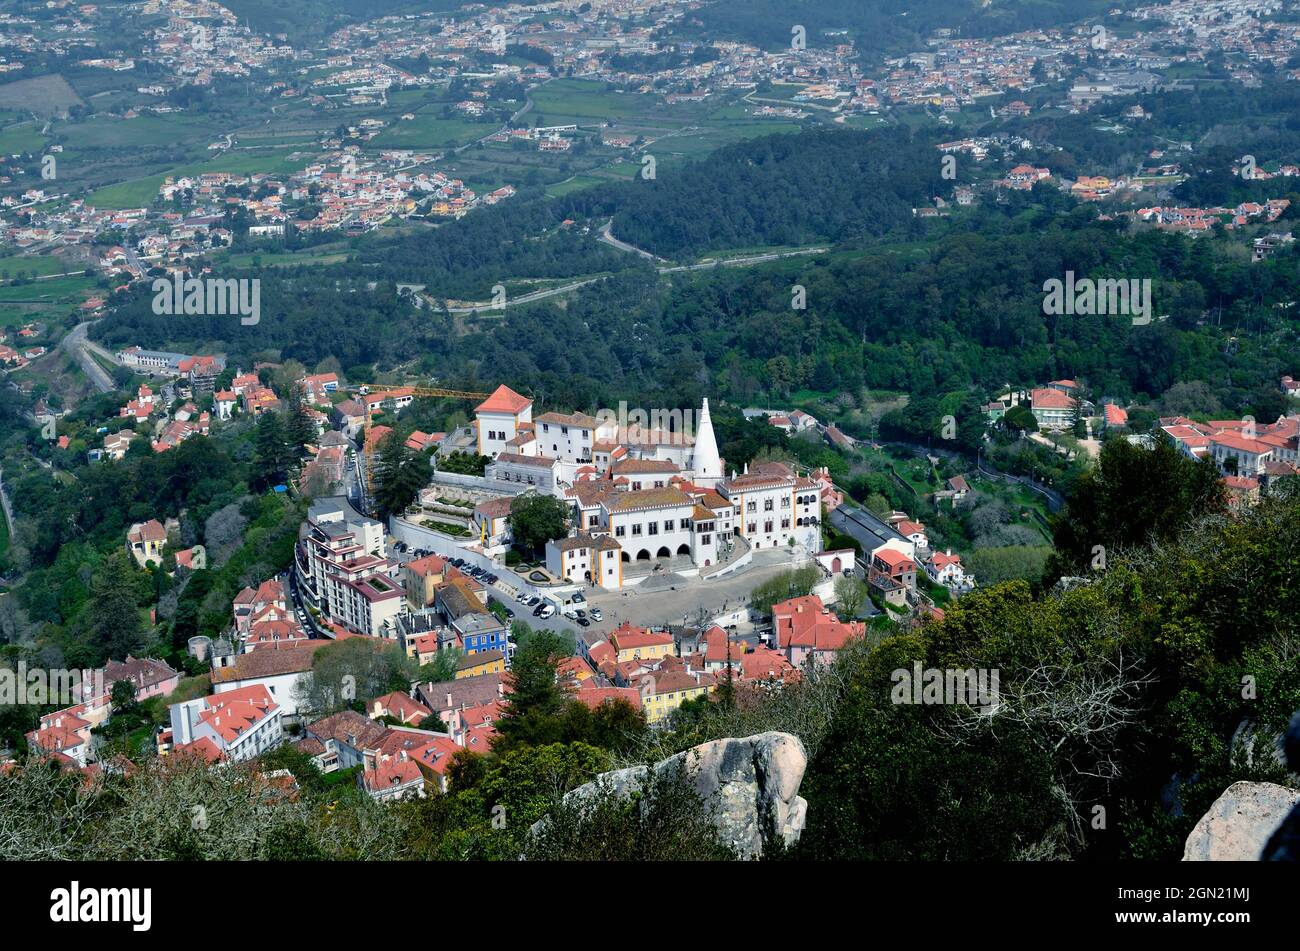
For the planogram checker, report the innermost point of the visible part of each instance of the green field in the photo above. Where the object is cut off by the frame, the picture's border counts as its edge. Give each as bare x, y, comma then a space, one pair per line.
56, 289
564, 101
23, 137
103, 132
428, 131
36, 265
577, 183
286, 258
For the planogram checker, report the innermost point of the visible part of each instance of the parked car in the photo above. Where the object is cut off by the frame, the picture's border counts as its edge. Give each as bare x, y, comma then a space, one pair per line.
597, 614
579, 613
582, 622
510, 614
533, 601
537, 611
547, 610
578, 598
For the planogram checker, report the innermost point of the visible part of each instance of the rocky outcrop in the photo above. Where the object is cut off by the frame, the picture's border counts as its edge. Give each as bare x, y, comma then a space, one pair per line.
1252, 821
1238, 825
751, 784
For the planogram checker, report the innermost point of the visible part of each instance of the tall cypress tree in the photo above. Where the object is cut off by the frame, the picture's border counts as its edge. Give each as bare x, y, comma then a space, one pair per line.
116, 628
272, 449
300, 430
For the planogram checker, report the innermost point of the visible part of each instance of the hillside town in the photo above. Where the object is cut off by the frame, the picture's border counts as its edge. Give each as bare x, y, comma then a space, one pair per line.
646, 430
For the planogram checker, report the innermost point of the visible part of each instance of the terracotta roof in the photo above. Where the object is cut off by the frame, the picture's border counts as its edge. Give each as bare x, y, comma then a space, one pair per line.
633, 466
503, 400
577, 420
1048, 398
648, 499
270, 660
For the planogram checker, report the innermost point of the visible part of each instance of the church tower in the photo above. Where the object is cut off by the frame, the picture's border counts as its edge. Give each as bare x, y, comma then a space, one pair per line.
706, 465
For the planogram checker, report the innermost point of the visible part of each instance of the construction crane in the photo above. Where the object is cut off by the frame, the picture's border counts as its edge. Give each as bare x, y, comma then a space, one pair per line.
367, 388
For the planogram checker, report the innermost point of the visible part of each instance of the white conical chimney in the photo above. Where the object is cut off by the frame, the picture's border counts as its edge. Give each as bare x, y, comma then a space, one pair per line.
706, 465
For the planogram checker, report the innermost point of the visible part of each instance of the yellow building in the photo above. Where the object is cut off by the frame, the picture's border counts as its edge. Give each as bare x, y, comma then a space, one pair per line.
482, 662
662, 692
422, 579
146, 540
638, 643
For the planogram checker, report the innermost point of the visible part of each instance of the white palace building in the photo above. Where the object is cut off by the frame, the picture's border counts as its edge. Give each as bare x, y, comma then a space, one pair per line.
646, 493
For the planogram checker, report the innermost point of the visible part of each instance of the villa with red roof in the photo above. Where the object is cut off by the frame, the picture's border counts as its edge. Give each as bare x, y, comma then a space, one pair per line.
240, 723
806, 629
946, 569
500, 418
1052, 408
400, 707
1115, 416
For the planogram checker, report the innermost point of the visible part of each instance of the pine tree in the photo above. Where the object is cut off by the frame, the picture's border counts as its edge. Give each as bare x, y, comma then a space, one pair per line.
400, 474
272, 449
300, 429
116, 628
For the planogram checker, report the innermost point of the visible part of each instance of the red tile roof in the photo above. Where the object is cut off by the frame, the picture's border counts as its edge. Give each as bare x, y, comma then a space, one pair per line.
503, 400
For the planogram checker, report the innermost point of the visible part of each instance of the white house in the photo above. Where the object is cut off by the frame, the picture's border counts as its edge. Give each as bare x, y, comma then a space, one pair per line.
238, 724
500, 418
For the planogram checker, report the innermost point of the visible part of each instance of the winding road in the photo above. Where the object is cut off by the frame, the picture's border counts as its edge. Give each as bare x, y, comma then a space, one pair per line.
706, 264
80, 348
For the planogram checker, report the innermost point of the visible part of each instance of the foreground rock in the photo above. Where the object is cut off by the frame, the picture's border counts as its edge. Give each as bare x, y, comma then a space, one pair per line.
751, 783
1239, 824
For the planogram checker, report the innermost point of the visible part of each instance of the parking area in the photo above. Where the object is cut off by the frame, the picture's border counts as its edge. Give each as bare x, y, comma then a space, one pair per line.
678, 600
656, 602
498, 589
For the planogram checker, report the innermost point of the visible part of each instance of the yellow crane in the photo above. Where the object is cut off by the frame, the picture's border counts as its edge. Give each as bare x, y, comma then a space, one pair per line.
367, 450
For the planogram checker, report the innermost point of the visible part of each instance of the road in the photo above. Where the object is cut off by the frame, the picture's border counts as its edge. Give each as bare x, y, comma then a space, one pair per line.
744, 261
513, 301
79, 348
8, 511
607, 236
487, 309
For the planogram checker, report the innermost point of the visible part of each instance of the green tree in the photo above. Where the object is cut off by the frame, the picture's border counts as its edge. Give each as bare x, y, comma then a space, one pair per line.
443, 666
534, 714
116, 626
272, 452
1134, 497
354, 670
400, 474
537, 519
299, 430
850, 595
